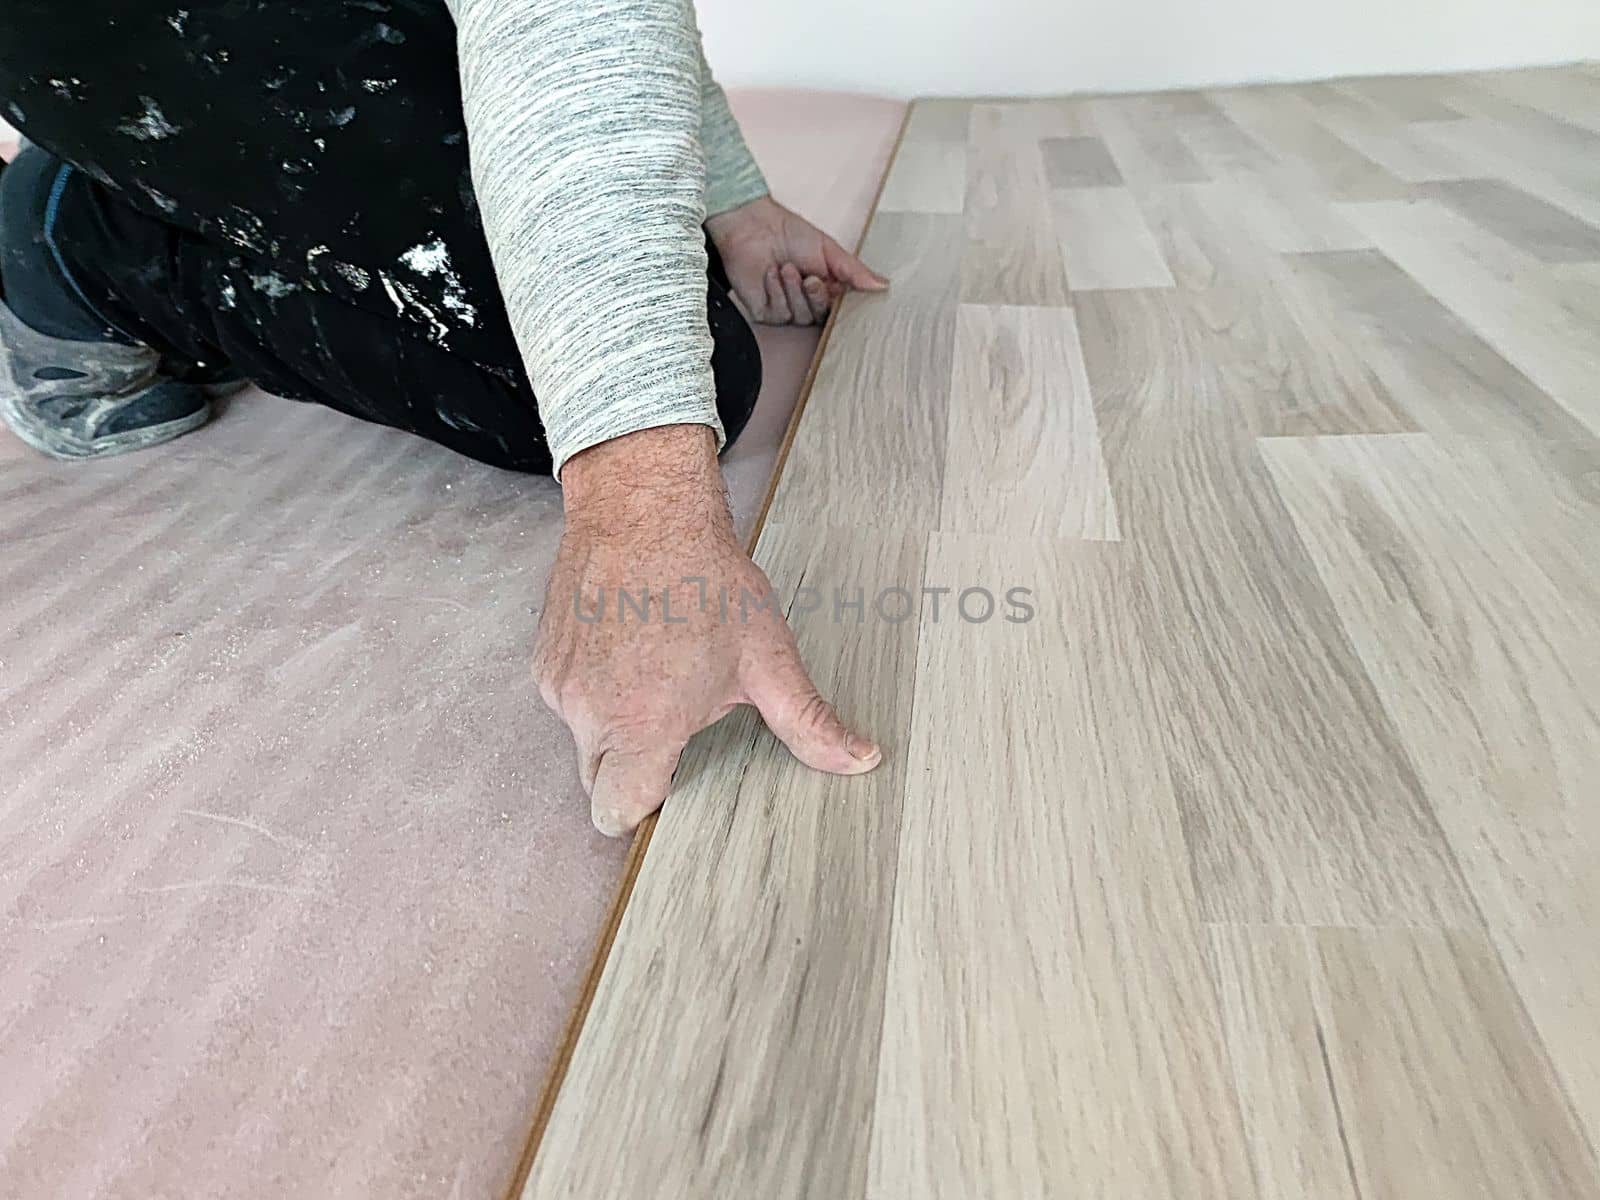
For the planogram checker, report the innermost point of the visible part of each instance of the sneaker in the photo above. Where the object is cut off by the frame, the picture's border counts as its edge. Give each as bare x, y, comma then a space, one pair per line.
74, 400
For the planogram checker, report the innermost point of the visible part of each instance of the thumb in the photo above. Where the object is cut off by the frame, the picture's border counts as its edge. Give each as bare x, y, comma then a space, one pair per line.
806, 723
847, 268
630, 785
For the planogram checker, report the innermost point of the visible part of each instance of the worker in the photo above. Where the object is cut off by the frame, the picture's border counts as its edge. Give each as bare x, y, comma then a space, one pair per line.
523, 229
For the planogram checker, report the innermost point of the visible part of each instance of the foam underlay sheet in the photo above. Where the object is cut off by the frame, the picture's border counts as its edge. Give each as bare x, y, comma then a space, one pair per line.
297, 883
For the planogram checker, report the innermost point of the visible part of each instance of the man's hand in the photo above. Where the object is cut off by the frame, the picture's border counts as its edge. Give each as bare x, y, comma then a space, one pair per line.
783, 268
645, 512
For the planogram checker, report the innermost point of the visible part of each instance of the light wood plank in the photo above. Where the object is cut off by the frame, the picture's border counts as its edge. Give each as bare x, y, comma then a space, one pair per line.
1284, 359
1010, 254
927, 177
730, 1048
1446, 1090
1287, 214
929, 171
1288, 126
1268, 986
1105, 242
1568, 95
1466, 576
1146, 151
874, 453
1441, 373
1527, 222
1513, 158
1401, 98
1501, 294
1023, 453
1299, 803
1063, 1082
1405, 153
1078, 162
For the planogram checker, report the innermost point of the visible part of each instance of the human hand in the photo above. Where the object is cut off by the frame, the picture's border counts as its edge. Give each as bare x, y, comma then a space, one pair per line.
783, 268
647, 516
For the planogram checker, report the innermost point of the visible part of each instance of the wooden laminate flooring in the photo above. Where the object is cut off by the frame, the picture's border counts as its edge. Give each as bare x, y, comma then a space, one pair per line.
1208, 523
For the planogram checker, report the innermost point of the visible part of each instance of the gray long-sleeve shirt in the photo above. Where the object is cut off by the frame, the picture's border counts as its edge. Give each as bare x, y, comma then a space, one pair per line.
600, 142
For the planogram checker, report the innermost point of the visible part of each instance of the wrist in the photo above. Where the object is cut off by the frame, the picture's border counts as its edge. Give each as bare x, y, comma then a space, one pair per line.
659, 479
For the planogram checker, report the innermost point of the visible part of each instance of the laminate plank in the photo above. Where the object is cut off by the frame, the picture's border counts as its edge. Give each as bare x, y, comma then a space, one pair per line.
929, 171
1441, 373
1023, 454
1571, 96
1401, 98
1078, 162
1105, 242
1503, 154
1010, 255
1288, 126
1300, 805
1532, 225
927, 177
1564, 148
1067, 117
1466, 576
1501, 294
731, 1044
1146, 151
1221, 145
1286, 364
1099, 1068
1446, 1089
1405, 153
1267, 987
874, 453
1287, 214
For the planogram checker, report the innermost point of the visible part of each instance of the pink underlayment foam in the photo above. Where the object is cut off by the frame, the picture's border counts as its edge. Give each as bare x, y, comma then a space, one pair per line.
297, 885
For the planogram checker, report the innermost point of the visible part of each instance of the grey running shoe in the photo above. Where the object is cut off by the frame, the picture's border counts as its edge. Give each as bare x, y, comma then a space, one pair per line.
73, 399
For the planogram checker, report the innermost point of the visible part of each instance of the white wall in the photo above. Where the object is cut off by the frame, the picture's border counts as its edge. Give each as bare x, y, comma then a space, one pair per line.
1043, 47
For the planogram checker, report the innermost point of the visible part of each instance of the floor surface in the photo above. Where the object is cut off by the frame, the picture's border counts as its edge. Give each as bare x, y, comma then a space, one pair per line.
1251, 851
297, 882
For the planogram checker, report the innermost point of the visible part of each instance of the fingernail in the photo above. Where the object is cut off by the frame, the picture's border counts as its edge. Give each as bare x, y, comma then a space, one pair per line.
862, 749
609, 823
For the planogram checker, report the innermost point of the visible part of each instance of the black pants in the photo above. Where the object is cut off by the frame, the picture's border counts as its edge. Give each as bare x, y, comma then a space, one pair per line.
213, 241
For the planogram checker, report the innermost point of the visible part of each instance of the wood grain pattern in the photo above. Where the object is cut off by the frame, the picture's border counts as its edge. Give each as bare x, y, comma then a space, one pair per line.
1105, 242
1533, 225
1049, 1085
1023, 453
1450, 1088
1318, 821
1010, 253
1284, 120
1280, 352
1432, 552
874, 455
1277, 1044
1262, 861
1499, 292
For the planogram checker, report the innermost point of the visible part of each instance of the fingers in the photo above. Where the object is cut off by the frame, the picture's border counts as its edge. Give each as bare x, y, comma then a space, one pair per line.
630, 785
794, 710
778, 312
817, 295
847, 268
794, 291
